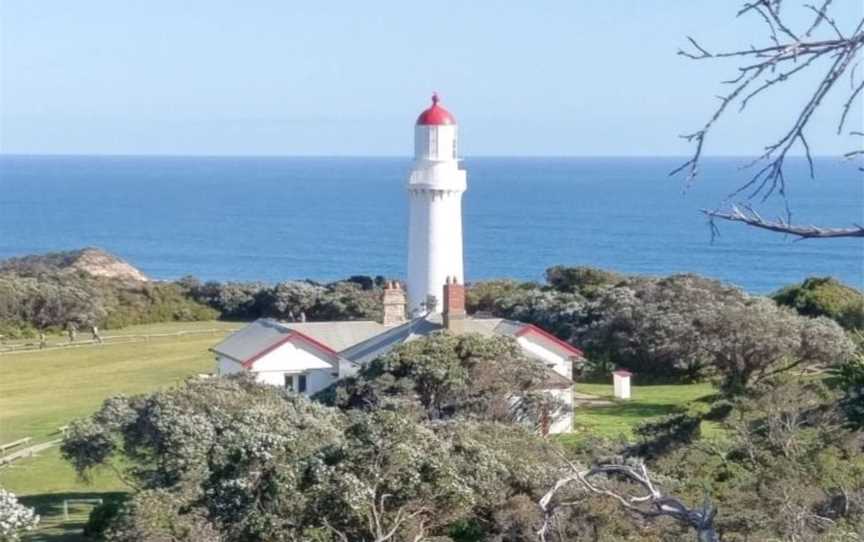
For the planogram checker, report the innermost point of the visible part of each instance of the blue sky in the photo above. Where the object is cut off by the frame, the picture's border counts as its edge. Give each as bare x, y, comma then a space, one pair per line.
281, 77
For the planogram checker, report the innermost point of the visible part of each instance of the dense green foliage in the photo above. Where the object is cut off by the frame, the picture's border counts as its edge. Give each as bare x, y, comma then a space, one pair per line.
586, 281
228, 459
825, 296
446, 376
47, 292
682, 326
53, 301
15, 518
848, 379
788, 468
358, 298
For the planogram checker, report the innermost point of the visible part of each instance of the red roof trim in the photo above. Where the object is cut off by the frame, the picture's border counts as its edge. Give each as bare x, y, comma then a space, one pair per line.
251, 361
531, 328
622, 372
291, 337
317, 344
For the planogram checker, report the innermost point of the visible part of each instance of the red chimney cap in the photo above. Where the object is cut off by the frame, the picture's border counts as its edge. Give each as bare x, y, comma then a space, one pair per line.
435, 115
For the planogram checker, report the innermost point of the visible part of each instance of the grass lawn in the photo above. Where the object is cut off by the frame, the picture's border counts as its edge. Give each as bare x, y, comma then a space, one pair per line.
144, 329
618, 420
43, 390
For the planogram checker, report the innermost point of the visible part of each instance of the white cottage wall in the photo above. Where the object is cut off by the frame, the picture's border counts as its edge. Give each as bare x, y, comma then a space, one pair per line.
560, 364
288, 359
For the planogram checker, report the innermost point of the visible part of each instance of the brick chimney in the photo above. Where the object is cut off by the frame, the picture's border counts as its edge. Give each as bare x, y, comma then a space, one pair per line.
394, 304
454, 306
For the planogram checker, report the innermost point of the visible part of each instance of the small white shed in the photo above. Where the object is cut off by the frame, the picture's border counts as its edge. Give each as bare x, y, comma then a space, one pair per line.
621, 383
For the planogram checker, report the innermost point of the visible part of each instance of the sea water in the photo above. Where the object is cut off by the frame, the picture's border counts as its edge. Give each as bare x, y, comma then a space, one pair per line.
277, 218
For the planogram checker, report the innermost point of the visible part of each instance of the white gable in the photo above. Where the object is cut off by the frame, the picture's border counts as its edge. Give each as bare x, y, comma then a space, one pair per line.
291, 356
560, 364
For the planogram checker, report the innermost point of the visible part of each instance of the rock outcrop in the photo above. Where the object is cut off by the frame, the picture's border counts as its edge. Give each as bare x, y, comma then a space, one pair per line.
90, 260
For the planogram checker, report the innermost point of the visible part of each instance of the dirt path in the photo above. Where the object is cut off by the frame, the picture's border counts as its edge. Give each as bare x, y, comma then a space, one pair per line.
30, 451
585, 400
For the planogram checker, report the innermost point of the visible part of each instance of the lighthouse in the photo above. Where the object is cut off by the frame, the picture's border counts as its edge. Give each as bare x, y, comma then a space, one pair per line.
435, 188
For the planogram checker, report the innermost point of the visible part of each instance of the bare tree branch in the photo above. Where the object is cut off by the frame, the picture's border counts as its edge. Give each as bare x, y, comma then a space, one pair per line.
651, 504
751, 218
765, 68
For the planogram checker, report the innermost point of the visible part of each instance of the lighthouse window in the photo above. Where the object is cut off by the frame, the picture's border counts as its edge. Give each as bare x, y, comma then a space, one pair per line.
454, 148
433, 142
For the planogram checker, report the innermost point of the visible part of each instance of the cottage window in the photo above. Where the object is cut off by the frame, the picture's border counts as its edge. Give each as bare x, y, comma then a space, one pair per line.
295, 383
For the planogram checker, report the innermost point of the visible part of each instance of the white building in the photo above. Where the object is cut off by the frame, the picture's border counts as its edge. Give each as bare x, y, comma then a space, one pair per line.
307, 357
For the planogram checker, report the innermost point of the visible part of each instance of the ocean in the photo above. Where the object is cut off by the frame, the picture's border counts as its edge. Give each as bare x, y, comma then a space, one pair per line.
278, 218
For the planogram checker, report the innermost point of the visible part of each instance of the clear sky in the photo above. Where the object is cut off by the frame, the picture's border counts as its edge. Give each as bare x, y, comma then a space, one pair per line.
282, 77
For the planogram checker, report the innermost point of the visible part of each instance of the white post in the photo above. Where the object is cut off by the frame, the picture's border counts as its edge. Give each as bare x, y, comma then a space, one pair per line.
621, 383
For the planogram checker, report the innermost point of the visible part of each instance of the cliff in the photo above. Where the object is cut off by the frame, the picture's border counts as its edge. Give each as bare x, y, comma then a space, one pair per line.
92, 261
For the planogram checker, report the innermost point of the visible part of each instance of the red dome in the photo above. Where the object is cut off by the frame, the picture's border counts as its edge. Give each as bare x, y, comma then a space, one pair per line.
435, 115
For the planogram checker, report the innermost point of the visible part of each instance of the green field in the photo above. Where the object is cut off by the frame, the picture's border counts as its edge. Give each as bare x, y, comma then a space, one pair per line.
618, 419
41, 391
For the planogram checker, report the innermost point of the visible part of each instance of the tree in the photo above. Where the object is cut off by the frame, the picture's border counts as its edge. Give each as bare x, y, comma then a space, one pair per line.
760, 339
785, 469
233, 460
483, 296
696, 327
445, 376
388, 479
658, 327
15, 518
160, 515
652, 503
587, 281
848, 377
558, 312
788, 51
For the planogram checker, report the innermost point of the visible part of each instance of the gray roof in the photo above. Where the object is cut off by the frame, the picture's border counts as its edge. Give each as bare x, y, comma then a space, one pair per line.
264, 333
379, 345
252, 339
339, 335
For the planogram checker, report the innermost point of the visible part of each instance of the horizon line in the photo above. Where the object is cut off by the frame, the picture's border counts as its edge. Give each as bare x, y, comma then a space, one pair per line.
390, 156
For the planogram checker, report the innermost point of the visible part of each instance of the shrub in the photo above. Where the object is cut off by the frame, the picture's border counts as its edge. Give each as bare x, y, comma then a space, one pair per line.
100, 518
15, 518
825, 296
587, 281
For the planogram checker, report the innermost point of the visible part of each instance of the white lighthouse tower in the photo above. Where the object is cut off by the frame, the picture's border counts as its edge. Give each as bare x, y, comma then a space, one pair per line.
435, 189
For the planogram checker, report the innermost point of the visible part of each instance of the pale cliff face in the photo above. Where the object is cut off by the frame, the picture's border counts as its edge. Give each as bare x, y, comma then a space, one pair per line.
102, 264
92, 261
